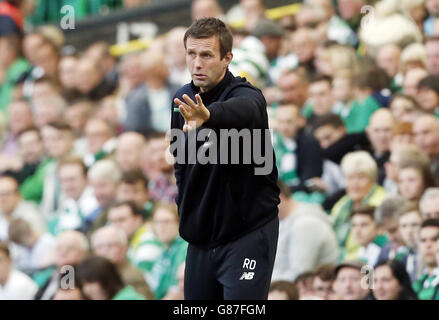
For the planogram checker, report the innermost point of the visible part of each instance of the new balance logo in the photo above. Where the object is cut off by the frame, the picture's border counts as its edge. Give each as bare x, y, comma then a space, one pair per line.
247, 276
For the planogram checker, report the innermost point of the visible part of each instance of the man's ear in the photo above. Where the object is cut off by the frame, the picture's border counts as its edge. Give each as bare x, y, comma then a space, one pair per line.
228, 58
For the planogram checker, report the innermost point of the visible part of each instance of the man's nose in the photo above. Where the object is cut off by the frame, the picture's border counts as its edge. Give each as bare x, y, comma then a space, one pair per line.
198, 63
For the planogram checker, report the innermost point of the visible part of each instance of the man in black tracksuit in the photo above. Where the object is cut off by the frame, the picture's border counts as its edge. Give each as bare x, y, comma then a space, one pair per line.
228, 213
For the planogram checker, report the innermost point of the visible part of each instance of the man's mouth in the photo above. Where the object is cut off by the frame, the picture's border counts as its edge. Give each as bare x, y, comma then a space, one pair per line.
200, 76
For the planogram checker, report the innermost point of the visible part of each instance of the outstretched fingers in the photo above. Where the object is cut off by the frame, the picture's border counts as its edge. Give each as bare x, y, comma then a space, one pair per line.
184, 108
199, 100
190, 102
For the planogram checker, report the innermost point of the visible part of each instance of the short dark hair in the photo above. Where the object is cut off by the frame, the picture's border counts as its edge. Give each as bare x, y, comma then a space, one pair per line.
73, 161
285, 286
307, 276
430, 223
60, 125
100, 270
18, 230
430, 82
135, 210
325, 272
133, 176
372, 77
320, 77
30, 129
364, 210
329, 119
153, 134
209, 27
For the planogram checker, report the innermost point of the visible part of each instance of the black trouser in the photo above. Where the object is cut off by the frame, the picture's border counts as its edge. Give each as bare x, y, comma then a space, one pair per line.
239, 270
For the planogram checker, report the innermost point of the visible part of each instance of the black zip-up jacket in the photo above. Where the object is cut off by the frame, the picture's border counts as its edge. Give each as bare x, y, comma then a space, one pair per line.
219, 203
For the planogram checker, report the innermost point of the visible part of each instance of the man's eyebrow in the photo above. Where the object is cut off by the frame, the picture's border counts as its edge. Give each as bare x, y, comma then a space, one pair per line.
209, 51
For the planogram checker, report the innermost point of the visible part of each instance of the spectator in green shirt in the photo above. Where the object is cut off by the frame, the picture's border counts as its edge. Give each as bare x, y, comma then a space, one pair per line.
365, 233
365, 103
164, 272
34, 168
12, 66
427, 285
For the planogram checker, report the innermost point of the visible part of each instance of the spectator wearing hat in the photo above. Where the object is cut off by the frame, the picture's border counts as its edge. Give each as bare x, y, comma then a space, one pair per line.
272, 34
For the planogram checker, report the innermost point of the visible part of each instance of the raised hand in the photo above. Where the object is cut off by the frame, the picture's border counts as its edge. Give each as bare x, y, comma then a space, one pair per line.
194, 114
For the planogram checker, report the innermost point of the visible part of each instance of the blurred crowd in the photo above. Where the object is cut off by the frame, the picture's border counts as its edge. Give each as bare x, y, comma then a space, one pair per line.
353, 101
